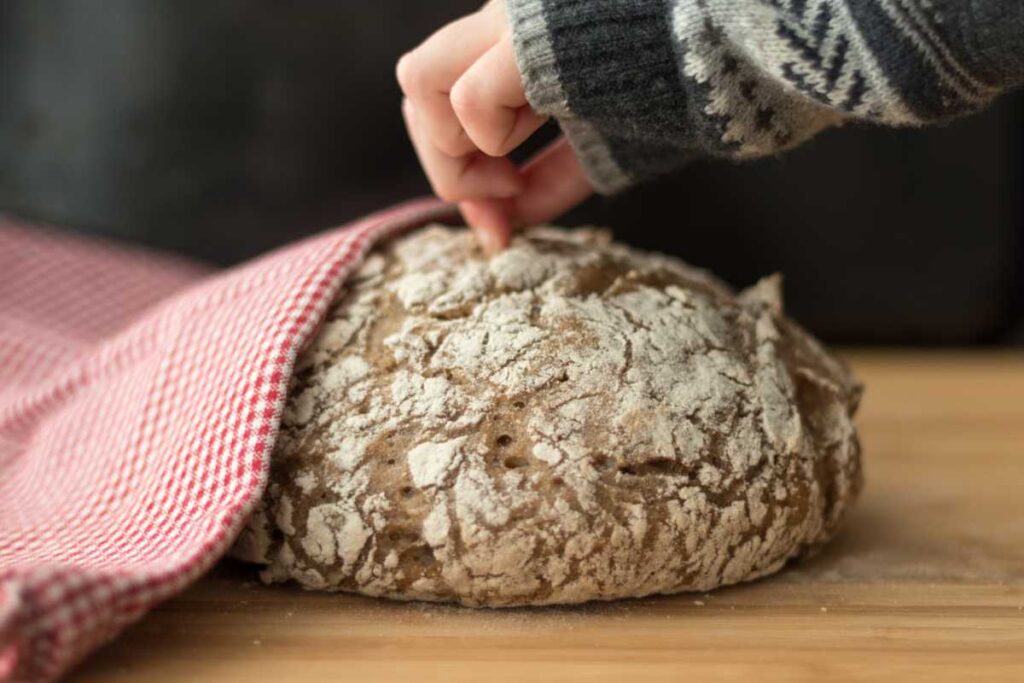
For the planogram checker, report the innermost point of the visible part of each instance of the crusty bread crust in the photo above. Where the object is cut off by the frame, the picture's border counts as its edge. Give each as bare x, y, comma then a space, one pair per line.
571, 420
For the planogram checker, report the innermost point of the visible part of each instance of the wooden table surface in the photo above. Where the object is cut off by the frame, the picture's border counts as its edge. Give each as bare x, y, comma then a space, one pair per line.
927, 581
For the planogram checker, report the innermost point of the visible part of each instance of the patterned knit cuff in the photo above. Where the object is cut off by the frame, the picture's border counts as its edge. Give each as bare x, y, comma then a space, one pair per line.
542, 71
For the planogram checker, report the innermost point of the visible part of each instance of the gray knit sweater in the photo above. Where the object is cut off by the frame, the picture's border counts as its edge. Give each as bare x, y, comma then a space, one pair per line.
643, 86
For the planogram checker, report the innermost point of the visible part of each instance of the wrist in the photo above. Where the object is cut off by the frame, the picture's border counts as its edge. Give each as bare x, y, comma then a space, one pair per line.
555, 74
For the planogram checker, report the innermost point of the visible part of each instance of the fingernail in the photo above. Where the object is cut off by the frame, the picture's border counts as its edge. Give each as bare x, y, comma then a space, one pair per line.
489, 241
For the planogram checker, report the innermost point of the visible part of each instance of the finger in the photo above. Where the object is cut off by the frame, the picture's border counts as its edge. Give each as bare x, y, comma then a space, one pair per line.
491, 220
428, 72
490, 102
555, 183
442, 127
473, 176
439, 61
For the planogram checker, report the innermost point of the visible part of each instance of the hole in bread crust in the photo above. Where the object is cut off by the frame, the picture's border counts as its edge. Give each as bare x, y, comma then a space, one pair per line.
659, 467
420, 554
512, 462
661, 464
403, 535
504, 440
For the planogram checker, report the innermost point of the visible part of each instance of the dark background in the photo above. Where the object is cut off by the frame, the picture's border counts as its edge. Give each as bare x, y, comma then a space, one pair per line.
222, 129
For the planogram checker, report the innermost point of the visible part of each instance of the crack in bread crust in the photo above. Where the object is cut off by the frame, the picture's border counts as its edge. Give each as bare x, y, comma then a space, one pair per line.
568, 421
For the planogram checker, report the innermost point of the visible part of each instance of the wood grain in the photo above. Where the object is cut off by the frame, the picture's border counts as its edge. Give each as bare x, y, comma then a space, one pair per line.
926, 582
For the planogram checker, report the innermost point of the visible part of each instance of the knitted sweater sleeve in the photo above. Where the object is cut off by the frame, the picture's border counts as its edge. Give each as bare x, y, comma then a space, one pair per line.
643, 86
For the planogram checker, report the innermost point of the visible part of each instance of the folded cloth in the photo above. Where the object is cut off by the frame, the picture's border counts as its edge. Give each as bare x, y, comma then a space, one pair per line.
139, 402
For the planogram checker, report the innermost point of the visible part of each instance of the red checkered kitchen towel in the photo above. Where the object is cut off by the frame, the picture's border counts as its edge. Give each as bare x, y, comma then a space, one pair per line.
139, 402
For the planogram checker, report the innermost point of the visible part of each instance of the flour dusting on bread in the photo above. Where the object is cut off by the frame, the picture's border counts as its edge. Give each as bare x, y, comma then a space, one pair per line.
567, 421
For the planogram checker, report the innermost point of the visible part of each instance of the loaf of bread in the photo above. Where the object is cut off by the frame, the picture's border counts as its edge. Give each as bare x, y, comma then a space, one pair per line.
569, 420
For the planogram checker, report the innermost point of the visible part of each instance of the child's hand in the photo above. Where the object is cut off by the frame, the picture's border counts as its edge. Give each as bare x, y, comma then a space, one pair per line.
465, 110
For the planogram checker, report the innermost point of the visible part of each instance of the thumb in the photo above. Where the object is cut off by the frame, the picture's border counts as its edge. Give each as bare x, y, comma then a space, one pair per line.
554, 183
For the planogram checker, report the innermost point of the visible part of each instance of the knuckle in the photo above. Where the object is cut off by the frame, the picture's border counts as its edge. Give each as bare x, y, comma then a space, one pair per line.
452, 145
492, 146
409, 73
472, 111
464, 97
